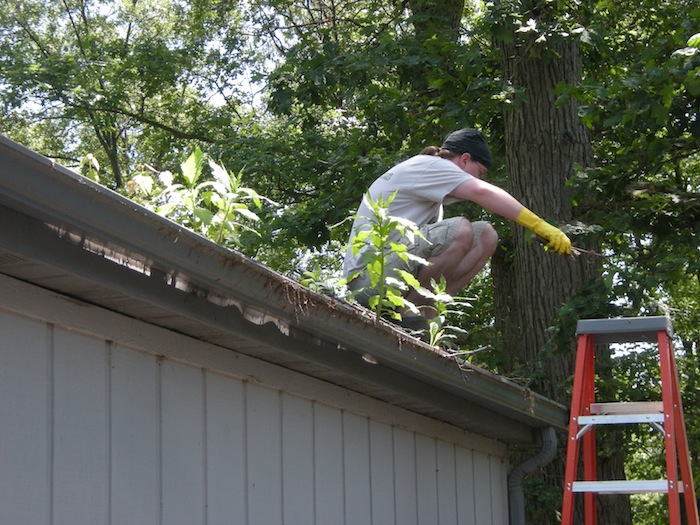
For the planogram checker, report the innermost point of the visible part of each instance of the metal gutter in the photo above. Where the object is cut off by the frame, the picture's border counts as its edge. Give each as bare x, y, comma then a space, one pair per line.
88, 213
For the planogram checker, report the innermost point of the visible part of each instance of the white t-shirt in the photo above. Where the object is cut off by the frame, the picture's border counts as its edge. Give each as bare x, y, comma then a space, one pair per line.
422, 183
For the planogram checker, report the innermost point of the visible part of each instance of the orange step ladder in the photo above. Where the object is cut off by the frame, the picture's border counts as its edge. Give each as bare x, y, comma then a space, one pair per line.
666, 416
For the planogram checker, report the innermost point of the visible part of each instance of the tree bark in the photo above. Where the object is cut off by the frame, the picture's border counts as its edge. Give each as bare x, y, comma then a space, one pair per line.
543, 143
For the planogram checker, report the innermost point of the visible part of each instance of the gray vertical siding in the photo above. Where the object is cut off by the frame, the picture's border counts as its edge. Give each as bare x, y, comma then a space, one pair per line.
106, 420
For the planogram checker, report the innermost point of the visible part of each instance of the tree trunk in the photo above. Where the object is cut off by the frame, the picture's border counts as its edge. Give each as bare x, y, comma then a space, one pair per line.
543, 143
436, 17
437, 30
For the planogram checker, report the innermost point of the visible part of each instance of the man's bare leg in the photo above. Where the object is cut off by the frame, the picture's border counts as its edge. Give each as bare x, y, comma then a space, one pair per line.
459, 263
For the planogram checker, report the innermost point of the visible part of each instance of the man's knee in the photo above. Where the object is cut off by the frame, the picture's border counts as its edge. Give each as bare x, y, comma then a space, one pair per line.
488, 238
464, 236
484, 235
469, 235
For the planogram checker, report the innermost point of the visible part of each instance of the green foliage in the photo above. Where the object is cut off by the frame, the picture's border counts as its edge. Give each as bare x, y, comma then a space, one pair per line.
355, 91
375, 246
90, 167
388, 288
644, 116
316, 281
443, 328
126, 81
218, 208
317, 176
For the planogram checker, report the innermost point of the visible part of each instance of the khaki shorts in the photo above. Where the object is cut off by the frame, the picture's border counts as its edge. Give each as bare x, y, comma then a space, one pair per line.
438, 236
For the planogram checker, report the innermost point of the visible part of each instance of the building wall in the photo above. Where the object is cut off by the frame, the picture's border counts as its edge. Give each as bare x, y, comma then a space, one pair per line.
105, 419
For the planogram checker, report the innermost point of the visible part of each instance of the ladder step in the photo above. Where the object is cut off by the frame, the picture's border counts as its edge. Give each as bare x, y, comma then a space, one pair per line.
631, 407
624, 486
621, 419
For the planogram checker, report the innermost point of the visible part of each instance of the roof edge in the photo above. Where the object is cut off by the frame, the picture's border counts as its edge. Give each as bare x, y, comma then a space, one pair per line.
36, 186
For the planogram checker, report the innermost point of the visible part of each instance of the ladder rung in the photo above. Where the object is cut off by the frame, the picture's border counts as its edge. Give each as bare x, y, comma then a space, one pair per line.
620, 419
632, 407
624, 486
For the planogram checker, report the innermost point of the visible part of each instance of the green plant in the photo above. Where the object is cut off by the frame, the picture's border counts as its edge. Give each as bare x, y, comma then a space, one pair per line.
375, 246
218, 208
227, 198
315, 280
441, 331
90, 167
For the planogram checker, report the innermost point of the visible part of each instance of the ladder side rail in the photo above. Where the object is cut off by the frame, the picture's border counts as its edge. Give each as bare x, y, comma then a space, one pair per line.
691, 503
667, 386
582, 369
589, 439
688, 486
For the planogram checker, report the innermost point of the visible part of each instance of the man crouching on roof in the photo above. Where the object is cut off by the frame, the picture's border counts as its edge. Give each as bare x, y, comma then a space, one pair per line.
456, 248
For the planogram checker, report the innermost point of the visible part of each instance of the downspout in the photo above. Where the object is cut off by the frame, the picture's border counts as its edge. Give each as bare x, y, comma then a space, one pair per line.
516, 498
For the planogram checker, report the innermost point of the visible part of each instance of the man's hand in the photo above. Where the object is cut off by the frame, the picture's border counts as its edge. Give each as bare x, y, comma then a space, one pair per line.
557, 239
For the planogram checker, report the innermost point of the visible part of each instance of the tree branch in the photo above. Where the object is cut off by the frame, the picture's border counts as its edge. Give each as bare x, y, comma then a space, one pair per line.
146, 120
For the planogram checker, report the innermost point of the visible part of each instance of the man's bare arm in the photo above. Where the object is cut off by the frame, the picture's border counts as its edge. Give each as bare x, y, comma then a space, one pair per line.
488, 196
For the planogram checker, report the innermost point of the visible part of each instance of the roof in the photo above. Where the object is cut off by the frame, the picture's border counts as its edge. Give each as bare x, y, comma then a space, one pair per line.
68, 234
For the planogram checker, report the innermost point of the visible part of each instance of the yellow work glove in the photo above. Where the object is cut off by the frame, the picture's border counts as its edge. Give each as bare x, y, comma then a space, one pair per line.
557, 239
